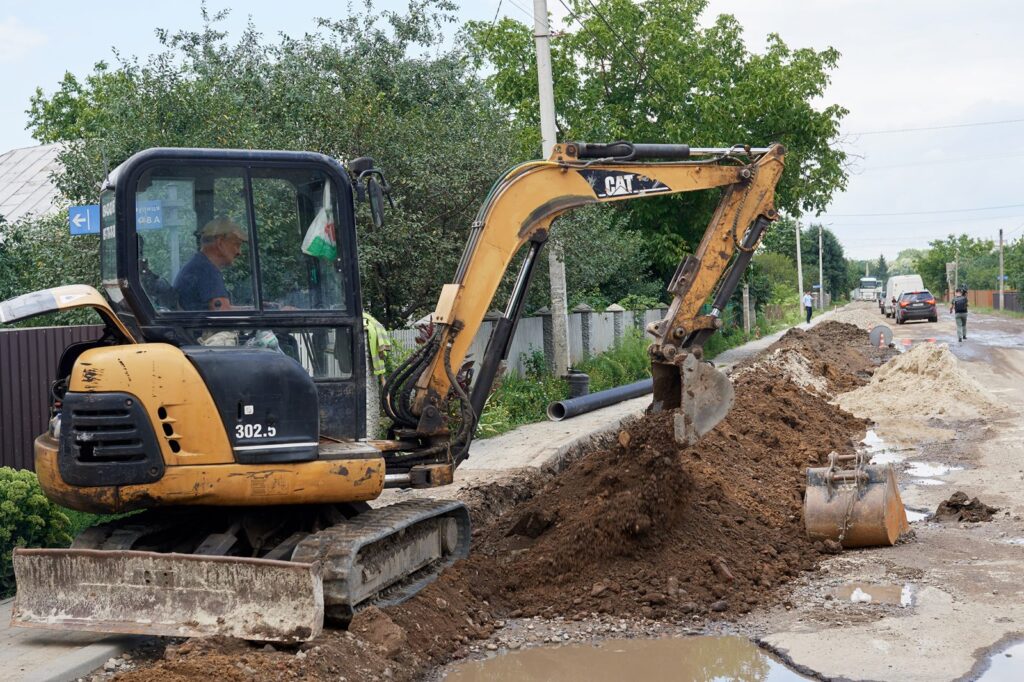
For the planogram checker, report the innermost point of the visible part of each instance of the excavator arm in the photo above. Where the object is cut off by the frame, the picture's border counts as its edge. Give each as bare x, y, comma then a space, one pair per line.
519, 211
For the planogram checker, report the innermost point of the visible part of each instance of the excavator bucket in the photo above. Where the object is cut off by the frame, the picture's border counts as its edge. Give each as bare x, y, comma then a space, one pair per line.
858, 507
706, 397
175, 595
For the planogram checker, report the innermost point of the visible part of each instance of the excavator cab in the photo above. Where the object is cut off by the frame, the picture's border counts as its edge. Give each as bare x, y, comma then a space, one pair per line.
254, 251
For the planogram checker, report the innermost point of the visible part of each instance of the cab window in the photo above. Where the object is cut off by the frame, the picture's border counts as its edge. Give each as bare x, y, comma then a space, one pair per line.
300, 254
221, 239
193, 230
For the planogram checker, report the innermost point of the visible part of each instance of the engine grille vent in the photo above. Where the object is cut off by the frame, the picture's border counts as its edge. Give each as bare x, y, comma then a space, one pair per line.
106, 436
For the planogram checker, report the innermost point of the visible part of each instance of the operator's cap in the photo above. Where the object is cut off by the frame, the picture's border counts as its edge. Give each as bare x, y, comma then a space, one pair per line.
222, 227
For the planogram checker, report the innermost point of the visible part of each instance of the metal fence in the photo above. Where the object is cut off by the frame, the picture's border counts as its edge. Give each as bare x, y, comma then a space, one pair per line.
989, 298
28, 363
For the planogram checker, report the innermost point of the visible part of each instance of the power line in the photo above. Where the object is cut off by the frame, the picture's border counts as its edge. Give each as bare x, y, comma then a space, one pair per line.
938, 162
575, 17
931, 221
942, 127
519, 7
494, 20
948, 210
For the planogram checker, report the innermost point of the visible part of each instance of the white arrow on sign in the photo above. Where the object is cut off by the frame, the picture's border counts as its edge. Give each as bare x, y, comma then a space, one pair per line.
79, 219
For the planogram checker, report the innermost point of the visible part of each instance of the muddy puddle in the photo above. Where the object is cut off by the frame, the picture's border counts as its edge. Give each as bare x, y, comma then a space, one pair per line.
930, 469
914, 515
1005, 666
880, 451
652, 660
868, 593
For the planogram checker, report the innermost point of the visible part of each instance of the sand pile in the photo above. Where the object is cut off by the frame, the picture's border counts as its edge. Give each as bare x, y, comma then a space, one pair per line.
926, 381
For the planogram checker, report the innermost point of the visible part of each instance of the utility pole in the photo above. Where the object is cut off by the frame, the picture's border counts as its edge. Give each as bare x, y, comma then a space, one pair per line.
799, 266
956, 270
1001, 285
548, 134
746, 309
821, 270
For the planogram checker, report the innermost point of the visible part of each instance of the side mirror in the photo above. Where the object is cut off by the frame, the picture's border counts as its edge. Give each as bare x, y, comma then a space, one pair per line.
375, 194
377, 189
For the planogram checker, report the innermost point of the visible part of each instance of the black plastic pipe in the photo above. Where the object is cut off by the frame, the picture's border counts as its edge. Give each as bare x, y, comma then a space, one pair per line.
564, 409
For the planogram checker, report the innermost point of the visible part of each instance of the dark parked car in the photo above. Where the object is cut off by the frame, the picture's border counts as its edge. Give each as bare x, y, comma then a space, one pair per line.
916, 305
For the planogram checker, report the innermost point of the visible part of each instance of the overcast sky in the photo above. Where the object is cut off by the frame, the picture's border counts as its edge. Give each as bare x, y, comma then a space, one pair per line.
953, 67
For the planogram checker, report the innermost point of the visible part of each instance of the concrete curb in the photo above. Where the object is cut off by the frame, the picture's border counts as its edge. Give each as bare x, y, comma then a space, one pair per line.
37, 655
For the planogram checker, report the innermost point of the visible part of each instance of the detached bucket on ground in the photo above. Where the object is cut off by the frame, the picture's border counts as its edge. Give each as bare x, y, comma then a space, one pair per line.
858, 507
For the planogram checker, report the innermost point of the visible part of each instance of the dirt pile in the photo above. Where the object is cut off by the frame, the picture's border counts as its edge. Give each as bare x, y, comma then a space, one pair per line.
658, 530
926, 381
830, 358
957, 508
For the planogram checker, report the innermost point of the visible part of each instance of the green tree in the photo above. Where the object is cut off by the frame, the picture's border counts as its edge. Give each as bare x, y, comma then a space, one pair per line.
906, 262
779, 271
650, 72
781, 238
978, 265
881, 272
854, 271
833, 260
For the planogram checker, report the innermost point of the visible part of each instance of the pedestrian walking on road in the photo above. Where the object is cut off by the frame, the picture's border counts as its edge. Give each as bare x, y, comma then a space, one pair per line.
808, 305
958, 306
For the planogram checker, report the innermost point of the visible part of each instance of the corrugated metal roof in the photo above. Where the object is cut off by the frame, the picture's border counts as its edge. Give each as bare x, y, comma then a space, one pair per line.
25, 185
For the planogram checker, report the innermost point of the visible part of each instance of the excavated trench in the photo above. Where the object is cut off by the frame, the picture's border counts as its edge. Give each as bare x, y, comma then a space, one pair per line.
635, 529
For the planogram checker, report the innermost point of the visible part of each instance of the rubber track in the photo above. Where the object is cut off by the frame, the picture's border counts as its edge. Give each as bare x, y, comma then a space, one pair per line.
336, 549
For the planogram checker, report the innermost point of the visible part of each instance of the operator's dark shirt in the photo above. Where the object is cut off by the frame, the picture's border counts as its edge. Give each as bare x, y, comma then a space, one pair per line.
198, 283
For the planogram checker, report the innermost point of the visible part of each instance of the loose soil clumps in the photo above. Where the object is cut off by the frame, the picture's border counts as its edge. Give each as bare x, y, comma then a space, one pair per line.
957, 508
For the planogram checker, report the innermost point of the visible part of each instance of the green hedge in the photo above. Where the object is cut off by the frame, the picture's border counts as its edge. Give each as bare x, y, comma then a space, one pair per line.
27, 519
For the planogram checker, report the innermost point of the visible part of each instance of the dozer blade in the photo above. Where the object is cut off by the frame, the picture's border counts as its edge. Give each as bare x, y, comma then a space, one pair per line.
707, 396
177, 595
857, 508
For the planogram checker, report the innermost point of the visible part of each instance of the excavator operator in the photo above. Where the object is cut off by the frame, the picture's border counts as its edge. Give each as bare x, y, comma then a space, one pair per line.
200, 284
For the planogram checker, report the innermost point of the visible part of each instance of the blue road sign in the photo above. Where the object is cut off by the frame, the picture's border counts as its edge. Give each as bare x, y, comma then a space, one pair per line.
149, 215
84, 219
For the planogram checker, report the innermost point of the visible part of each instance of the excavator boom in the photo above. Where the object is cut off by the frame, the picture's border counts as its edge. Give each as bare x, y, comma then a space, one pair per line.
520, 210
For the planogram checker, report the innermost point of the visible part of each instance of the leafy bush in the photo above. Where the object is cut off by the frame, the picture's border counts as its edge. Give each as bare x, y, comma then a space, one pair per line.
27, 519
521, 400
623, 363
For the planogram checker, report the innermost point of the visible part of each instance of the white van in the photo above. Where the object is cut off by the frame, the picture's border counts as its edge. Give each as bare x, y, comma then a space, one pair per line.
894, 286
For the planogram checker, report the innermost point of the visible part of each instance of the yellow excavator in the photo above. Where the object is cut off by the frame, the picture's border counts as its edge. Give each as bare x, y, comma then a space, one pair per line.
226, 396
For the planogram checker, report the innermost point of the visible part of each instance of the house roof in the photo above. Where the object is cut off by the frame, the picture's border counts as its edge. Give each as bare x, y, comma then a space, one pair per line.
25, 185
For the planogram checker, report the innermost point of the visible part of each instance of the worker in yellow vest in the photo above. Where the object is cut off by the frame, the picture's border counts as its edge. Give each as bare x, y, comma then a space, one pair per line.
378, 344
